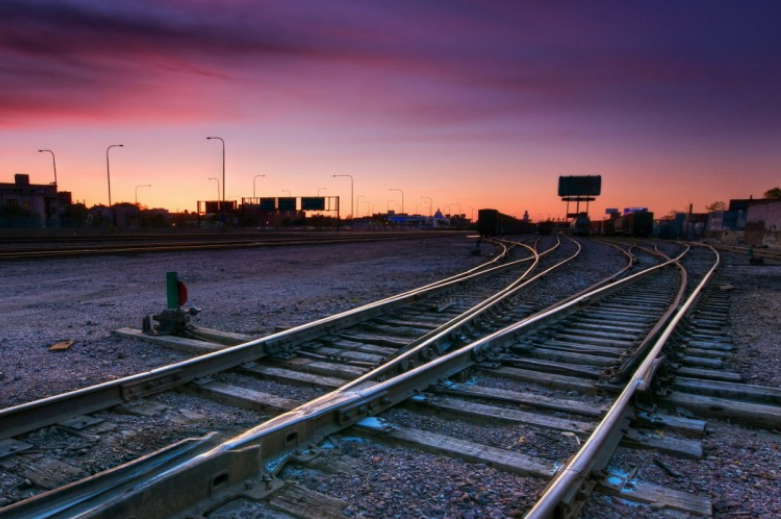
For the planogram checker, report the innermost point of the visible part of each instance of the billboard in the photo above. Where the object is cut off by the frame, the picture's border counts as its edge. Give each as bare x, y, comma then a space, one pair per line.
588, 185
287, 204
312, 203
267, 204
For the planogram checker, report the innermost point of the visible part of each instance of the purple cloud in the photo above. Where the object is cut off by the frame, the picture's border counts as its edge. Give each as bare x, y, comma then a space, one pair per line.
437, 63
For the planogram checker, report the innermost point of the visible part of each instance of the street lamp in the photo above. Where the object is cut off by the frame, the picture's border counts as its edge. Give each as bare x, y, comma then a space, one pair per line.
218, 186
459, 206
223, 167
54, 163
108, 172
402, 198
320, 189
289, 194
358, 203
352, 207
430, 203
145, 185
253, 184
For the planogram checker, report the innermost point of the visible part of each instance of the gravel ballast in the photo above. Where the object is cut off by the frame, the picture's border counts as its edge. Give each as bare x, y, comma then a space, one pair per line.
256, 291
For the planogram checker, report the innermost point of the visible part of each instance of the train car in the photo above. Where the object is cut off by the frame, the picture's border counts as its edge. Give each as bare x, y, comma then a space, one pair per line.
580, 225
545, 228
598, 227
487, 222
634, 224
609, 226
639, 224
491, 222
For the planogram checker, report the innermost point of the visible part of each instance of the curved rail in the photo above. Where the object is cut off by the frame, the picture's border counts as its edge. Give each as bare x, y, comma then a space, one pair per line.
558, 500
242, 460
47, 411
206, 243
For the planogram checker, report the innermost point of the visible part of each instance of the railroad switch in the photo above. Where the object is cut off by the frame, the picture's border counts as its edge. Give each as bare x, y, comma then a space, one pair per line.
173, 320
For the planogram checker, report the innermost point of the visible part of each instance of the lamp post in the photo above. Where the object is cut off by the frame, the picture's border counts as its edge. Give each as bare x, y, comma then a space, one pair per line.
145, 185
320, 189
223, 166
108, 172
253, 184
358, 203
218, 187
430, 203
352, 201
402, 198
54, 163
289, 194
459, 206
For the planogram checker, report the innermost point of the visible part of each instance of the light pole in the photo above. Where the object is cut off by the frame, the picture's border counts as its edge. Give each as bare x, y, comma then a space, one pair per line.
54, 163
430, 203
358, 203
402, 198
289, 194
222, 205
320, 189
253, 184
352, 200
218, 187
108, 172
145, 185
459, 206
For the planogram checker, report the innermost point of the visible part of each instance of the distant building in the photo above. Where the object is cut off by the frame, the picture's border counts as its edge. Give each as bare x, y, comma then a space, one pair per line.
763, 222
733, 219
27, 205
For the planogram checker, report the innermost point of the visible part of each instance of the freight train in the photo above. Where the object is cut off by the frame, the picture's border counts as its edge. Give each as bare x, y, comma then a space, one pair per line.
635, 224
580, 225
491, 222
631, 224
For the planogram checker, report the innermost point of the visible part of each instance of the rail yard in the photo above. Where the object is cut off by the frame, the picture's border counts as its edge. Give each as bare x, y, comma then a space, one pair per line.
547, 376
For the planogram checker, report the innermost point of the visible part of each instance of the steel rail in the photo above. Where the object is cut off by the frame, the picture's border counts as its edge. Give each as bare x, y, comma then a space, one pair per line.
168, 247
235, 467
47, 411
433, 343
570, 479
618, 374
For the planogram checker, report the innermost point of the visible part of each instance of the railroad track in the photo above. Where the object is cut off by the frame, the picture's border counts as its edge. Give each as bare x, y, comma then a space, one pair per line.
13, 249
316, 362
567, 382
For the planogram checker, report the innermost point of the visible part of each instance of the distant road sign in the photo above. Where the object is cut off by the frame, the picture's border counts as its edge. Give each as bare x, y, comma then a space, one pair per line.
287, 204
311, 203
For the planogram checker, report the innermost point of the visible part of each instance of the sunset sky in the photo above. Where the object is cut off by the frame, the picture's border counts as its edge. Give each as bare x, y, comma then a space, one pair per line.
472, 103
